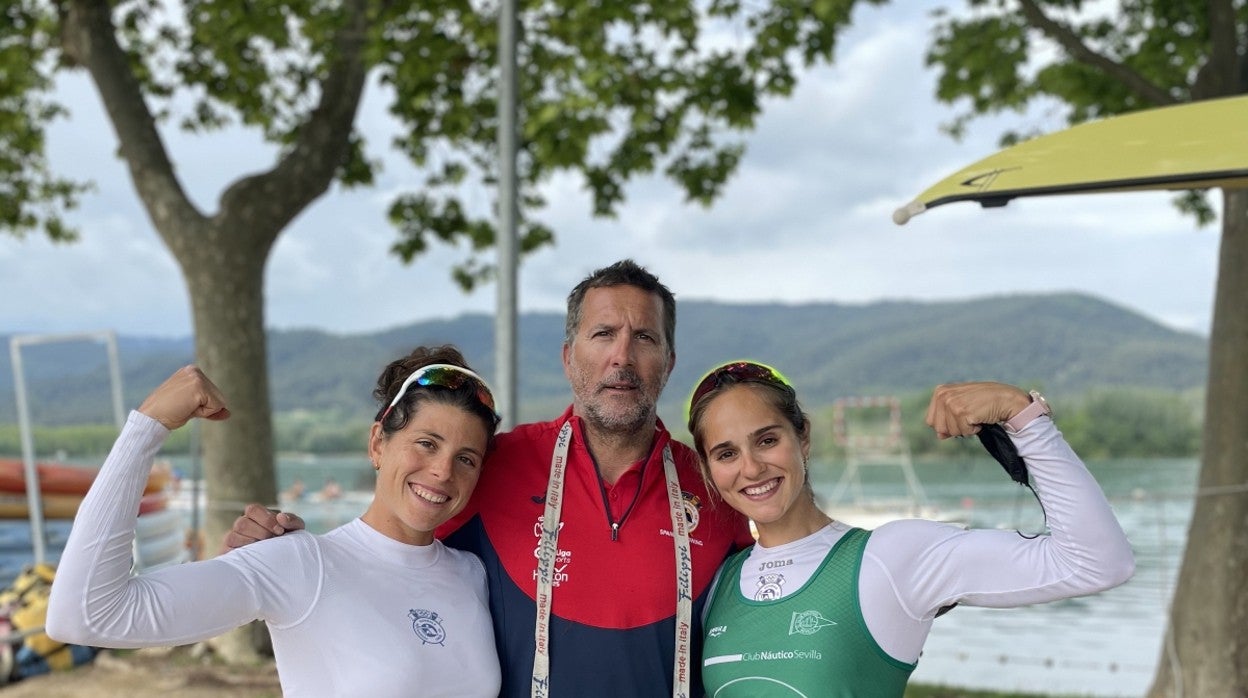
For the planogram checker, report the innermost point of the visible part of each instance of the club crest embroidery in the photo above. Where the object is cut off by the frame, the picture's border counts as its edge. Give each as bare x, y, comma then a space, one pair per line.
428, 626
808, 623
693, 509
770, 587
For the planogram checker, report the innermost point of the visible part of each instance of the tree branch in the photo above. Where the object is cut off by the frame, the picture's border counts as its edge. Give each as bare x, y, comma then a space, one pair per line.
89, 38
270, 200
1080, 52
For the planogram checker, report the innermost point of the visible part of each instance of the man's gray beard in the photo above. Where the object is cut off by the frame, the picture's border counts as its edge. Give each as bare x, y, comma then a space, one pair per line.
636, 420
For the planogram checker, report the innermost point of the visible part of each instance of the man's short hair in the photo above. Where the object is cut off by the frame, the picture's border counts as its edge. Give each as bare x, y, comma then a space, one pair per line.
625, 272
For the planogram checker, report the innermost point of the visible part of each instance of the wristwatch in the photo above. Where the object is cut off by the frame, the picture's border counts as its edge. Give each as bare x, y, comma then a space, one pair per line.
1039, 406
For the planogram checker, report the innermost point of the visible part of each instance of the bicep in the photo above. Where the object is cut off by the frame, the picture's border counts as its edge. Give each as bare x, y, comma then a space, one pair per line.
191, 602
935, 565
174, 605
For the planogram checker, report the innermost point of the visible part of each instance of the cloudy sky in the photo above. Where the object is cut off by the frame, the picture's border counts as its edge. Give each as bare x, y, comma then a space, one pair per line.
807, 218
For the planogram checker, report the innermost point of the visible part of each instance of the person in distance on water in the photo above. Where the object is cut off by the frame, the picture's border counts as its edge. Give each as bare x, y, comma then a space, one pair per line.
817, 607
375, 607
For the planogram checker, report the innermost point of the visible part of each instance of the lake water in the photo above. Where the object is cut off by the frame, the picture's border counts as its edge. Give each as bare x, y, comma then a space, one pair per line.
1103, 645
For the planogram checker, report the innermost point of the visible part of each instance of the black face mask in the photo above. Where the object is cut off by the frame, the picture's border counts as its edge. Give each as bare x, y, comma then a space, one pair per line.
1000, 447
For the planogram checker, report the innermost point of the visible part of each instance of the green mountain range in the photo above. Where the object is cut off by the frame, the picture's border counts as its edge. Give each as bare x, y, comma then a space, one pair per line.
1064, 344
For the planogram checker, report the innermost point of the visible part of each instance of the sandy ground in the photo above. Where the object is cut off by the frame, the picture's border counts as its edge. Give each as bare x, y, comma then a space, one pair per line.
185, 673
151, 673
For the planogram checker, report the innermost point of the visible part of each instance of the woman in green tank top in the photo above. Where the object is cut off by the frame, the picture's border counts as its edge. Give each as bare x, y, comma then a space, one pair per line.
812, 610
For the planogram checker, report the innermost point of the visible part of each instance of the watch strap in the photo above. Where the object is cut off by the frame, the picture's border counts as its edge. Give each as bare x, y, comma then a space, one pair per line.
1038, 407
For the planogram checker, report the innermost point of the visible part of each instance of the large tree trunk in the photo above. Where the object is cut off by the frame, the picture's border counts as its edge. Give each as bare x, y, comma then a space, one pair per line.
1205, 650
228, 300
226, 285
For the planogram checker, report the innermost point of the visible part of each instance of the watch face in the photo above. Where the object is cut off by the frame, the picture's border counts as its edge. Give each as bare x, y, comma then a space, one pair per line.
1044, 404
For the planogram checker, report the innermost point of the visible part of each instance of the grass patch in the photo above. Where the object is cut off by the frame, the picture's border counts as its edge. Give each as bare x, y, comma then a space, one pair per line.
925, 691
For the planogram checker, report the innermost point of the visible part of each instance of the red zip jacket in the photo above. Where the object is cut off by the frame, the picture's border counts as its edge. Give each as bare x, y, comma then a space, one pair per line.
613, 615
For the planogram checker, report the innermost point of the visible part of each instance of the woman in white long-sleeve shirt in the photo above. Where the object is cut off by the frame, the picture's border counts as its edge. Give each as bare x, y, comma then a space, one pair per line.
376, 607
819, 608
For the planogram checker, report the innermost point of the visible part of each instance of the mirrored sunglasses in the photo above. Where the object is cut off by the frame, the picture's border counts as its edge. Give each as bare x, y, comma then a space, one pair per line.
444, 376
739, 371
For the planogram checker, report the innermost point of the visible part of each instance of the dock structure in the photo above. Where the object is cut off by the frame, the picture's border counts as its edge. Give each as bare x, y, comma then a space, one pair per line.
869, 429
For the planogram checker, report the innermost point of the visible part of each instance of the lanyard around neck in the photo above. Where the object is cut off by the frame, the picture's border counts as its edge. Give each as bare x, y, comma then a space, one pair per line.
547, 549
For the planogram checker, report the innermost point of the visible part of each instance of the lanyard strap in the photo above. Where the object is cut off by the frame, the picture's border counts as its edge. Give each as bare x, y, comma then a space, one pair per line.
684, 578
547, 548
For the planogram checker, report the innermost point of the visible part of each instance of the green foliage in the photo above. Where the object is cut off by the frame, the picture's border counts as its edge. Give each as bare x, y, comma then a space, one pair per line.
915, 690
609, 91
32, 197
1008, 54
326, 431
1133, 423
74, 441
1103, 423
985, 72
305, 432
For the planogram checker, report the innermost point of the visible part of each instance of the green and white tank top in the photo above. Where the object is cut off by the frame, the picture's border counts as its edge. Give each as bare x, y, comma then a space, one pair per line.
811, 642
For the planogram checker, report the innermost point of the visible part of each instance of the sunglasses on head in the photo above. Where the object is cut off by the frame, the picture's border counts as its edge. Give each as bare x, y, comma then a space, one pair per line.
443, 376
738, 371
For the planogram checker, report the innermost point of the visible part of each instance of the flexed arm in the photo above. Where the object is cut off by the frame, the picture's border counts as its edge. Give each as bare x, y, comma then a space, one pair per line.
1085, 552
187, 393
914, 568
95, 600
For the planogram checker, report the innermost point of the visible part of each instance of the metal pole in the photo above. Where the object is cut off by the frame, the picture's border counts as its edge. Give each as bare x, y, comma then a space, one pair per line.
114, 376
194, 544
505, 342
34, 498
34, 501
